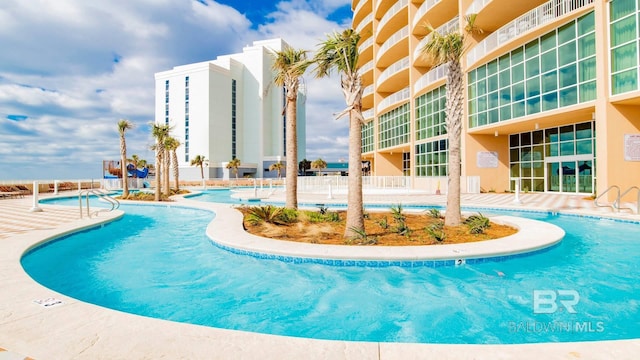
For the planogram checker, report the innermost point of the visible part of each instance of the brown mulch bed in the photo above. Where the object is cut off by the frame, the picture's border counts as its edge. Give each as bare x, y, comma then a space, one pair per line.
333, 232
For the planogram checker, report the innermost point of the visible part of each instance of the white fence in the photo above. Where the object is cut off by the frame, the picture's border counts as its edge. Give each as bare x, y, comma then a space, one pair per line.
388, 184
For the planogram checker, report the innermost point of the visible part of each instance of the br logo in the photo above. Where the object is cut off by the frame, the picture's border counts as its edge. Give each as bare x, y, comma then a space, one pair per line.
546, 301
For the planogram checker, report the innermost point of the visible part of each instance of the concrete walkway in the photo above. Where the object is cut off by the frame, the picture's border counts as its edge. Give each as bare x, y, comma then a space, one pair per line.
77, 330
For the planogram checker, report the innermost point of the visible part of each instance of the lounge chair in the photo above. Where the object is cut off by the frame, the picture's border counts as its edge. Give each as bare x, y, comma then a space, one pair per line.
6, 191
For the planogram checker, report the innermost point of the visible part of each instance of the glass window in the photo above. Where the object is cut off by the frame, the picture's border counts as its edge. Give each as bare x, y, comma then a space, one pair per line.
532, 49
533, 67
620, 8
567, 53
493, 116
504, 78
533, 105
551, 135
551, 149
514, 140
549, 81
504, 62
517, 91
517, 73
548, 61
624, 57
505, 96
481, 72
514, 155
516, 56
587, 91
625, 81
492, 83
493, 100
623, 31
548, 41
538, 137
482, 87
567, 33
549, 101
583, 131
569, 96
566, 133
568, 76
505, 113
518, 109
584, 147
587, 69
567, 148
587, 46
533, 87
586, 24
492, 67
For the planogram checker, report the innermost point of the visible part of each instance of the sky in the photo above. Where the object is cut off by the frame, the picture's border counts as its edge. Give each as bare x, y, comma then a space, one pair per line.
71, 69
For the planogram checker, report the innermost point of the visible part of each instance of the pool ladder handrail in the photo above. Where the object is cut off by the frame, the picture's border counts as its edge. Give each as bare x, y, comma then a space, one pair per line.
115, 204
616, 205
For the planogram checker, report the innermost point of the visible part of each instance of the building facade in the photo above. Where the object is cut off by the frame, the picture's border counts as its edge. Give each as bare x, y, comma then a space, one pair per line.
228, 108
552, 93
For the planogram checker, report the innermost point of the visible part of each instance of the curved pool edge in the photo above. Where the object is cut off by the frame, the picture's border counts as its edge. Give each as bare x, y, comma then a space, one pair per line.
84, 331
533, 236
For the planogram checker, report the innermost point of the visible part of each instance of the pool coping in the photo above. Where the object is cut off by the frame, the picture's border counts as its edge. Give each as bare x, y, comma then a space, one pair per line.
81, 330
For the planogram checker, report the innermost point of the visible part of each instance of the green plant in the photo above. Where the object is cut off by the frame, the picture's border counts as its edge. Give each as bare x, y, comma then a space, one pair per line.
314, 217
434, 213
436, 231
362, 238
396, 212
332, 216
271, 214
477, 224
323, 209
384, 223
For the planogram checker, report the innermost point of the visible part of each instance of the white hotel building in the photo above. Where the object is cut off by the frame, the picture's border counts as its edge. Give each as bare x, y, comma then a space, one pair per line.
228, 108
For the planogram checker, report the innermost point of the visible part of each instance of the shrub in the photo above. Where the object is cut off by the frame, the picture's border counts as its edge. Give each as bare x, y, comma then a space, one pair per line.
383, 223
361, 238
477, 223
434, 213
437, 232
271, 214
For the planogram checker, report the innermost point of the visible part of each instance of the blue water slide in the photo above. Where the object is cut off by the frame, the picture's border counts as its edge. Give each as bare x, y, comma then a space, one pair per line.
141, 174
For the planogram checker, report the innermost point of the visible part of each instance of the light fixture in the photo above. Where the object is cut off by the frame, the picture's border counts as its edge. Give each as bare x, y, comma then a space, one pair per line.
537, 126
495, 133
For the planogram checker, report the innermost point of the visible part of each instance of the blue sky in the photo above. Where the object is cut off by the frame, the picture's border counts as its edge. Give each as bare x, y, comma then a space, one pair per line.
70, 69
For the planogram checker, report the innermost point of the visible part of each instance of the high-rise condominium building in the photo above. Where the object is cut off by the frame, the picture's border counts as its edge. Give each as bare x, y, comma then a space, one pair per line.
552, 93
228, 108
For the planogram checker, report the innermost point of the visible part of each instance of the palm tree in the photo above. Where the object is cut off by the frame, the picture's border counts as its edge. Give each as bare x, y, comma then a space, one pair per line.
199, 160
135, 161
339, 52
123, 126
318, 164
277, 166
166, 164
448, 49
172, 145
289, 65
159, 132
304, 165
234, 164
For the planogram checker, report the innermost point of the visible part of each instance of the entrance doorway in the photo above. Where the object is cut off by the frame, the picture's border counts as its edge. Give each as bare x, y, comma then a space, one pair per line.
569, 175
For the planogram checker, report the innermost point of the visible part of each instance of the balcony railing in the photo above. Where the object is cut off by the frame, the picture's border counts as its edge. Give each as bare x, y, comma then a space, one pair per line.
397, 66
431, 76
366, 67
365, 45
394, 98
428, 4
400, 5
359, 6
367, 90
368, 114
394, 39
446, 28
537, 17
367, 19
476, 6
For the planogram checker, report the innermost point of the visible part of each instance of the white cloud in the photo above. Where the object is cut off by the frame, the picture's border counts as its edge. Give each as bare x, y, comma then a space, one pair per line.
75, 67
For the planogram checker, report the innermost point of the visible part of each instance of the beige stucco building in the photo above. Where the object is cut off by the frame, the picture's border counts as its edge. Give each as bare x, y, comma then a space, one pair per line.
552, 100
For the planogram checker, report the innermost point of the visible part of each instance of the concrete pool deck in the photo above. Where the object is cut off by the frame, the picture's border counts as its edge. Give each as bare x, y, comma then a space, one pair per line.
77, 330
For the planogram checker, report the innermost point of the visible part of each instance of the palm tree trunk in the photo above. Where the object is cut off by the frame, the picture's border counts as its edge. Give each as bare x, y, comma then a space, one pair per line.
167, 184
176, 171
291, 171
123, 166
355, 212
158, 174
454, 107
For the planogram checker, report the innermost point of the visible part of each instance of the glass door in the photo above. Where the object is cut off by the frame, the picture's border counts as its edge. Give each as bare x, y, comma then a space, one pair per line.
568, 176
573, 176
585, 177
553, 176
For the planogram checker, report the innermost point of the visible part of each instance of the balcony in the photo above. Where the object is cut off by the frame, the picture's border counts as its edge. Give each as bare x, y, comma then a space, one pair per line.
366, 72
362, 9
394, 98
432, 76
368, 114
382, 6
399, 42
434, 13
365, 50
448, 27
538, 17
392, 19
395, 76
367, 96
477, 6
368, 20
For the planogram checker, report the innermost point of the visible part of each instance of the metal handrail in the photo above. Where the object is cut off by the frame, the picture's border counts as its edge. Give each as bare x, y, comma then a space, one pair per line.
115, 204
614, 206
637, 200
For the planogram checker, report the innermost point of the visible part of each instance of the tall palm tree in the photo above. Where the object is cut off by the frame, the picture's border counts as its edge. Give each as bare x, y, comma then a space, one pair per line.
448, 49
234, 164
304, 165
339, 52
166, 164
159, 132
277, 166
318, 164
199, 160
123, 126
289, 65
172, 144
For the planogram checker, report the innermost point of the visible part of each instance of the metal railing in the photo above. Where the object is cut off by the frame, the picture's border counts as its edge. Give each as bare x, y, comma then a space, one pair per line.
115, 204
537, 17
617, 203
437, 73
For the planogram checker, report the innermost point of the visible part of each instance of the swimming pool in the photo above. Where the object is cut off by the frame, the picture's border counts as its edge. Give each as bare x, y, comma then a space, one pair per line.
154, 263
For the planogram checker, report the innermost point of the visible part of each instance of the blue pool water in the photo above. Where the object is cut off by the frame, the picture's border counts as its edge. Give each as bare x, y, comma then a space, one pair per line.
154, 263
